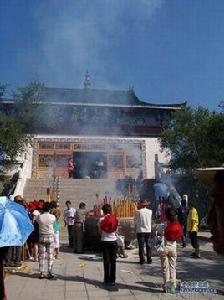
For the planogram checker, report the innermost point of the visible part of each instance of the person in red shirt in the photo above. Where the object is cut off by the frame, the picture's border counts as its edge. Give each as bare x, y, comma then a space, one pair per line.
70, 167
167, 252
107, 228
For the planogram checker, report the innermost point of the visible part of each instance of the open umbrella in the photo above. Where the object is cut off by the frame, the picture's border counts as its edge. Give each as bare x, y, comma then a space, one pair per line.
15, 225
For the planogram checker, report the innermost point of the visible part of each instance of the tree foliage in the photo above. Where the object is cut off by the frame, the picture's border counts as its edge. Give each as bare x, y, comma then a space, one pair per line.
221, 106
27, 103
195, 138
13, 140
17, 125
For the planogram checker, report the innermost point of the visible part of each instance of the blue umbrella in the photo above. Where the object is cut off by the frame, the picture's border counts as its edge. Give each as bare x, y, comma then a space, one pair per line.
15, 225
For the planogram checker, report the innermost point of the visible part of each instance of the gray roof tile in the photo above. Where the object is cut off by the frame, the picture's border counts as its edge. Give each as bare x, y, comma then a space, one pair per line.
98, 96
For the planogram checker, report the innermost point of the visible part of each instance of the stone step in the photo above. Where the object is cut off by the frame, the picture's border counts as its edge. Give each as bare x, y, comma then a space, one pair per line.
86, 189
33, 191
79, 195
75, 190
83, 180
40, 180
92, 187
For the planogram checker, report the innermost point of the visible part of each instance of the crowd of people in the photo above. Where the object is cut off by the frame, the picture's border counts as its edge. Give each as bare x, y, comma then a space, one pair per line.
177, 224
43, 240
174, 225
43, 243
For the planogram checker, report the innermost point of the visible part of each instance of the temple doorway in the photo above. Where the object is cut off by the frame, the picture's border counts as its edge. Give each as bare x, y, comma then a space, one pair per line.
90, 165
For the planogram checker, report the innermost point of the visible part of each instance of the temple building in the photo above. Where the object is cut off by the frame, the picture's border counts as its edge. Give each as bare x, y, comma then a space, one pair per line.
107, 133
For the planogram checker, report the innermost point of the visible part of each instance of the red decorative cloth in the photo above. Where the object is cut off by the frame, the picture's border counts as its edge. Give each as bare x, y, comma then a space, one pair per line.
40, 205
173, 231
109, 223
31, 206
35, 205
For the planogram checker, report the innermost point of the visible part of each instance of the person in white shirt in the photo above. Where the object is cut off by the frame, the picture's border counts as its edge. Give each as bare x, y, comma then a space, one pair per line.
69, 220
143, 221
46, 240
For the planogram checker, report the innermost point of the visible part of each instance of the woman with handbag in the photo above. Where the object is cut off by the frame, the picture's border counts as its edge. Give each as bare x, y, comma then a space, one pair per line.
168, 253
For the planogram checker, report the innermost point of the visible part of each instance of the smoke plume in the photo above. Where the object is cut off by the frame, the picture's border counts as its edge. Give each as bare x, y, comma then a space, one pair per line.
80, 35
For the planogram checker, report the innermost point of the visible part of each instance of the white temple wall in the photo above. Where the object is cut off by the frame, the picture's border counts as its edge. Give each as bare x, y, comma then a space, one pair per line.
153, 148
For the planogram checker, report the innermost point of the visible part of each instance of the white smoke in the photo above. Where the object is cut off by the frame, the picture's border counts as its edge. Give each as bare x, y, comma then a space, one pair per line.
79, 35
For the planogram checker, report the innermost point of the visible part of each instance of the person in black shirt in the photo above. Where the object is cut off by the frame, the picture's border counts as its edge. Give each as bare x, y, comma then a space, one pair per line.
182, 213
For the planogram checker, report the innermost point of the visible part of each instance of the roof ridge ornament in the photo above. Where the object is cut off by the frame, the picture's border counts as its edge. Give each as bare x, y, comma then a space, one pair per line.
87, 81
131, 89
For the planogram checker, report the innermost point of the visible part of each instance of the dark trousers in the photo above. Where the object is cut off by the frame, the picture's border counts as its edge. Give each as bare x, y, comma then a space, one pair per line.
14, 254
2, 286
71, 235
3, 253
194, 239
109, 261
184, 237
144, 240
78, 238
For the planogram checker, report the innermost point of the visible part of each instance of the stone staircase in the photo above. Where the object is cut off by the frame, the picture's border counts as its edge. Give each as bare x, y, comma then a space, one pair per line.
36, 189
75, 190
84, 190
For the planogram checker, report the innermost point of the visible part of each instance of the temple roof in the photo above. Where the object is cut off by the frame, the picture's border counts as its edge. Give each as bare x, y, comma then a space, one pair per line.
98, 97
87, 96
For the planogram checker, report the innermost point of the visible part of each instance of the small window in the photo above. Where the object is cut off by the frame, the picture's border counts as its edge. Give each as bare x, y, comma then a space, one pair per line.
133, 161
116, 161
46, 161
65, 146
62, 161
46, 145
77, 146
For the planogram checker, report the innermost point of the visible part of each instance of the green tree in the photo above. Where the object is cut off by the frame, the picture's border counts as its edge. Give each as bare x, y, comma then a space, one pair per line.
17, 125
13, 140
27, 102
221, 105
195, 139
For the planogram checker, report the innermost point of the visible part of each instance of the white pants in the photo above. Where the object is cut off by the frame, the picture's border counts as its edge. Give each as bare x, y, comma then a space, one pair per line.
56, 240
168, 257
46, 252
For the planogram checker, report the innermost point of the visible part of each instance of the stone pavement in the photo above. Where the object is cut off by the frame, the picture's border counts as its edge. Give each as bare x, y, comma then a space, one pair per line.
80, 277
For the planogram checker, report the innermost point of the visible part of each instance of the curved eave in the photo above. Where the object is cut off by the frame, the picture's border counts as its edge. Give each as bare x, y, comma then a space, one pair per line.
180, 106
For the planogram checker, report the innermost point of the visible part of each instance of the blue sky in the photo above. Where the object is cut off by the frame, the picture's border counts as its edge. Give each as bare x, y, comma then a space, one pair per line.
169, 50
